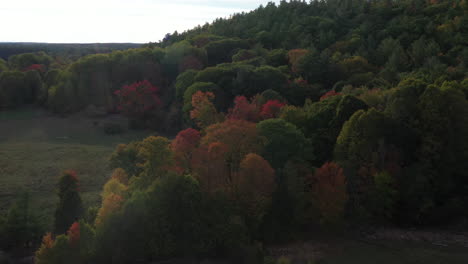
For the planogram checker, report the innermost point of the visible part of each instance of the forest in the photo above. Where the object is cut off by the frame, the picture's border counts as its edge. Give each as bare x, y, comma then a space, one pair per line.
295, 118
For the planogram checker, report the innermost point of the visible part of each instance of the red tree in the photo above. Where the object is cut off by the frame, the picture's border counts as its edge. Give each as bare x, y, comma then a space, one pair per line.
74, 234
41, 68
210, 167
138, 99
329, 94
244, 110
240, 138
271, 109
183, 147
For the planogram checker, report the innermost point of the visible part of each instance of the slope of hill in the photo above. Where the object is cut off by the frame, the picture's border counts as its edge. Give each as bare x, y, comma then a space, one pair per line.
329, 115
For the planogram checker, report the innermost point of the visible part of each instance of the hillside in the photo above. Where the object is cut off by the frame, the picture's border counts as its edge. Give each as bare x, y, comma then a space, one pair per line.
291, 120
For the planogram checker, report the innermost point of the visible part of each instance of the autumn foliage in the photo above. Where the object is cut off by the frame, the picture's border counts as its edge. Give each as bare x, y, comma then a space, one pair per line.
253, 186
329, 94
256, 178
211, 168
110, 204
244, 110
36, 67
44, 253
329, 191
239, 136
138, 99
271, 109
120, 175
74, 234
183, 147
204, 112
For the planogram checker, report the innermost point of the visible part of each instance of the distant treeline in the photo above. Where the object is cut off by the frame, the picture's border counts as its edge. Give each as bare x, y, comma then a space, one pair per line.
72, 50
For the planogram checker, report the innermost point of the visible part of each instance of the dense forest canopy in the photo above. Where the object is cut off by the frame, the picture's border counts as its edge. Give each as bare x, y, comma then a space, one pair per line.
297, 115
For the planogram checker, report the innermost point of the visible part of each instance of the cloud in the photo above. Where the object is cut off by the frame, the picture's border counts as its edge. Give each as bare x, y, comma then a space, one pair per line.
109, 20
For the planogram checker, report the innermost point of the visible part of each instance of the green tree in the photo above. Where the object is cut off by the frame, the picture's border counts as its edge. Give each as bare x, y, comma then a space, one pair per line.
70, 207
126, 157
20, 226
13, 90
283, 141
183, 81
157, 158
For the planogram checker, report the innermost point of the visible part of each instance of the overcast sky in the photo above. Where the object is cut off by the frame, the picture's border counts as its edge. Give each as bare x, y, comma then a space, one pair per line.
89, 21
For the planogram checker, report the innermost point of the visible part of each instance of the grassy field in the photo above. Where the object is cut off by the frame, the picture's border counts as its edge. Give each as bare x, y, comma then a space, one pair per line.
395, 252
36, 146
354, 250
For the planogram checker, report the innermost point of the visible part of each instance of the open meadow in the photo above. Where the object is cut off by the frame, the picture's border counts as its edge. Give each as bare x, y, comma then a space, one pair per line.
35, 147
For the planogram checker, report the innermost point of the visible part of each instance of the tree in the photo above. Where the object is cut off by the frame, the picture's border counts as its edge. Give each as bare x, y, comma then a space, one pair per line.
174, 207
253, 187
73, 234
183, 81
190, 62
220, 51
111, 203
363, 136
184, 146
271, 109
3, 65
41, 68
367, 144
256, 177
244, 110
329, 94
204, 113
75, 247
113, 186
20, 227
283, 141
383, 196
329, 190
126, 157
138, 100
239, 136
44, 254
211, 168
443, 147
13, 90
70, 207
295, 56
157, 158
120, 175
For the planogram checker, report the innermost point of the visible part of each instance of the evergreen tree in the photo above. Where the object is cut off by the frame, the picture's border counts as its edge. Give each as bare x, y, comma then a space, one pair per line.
70, 206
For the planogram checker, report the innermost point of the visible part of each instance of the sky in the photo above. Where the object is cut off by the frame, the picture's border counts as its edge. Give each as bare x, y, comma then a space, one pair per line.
101, 21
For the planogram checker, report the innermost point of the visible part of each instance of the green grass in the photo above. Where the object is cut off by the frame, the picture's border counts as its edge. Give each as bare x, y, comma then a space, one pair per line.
35, 147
